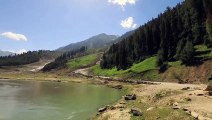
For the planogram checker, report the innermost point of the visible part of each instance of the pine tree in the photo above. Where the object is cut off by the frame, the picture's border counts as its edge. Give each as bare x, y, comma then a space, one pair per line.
187, 55
208, 40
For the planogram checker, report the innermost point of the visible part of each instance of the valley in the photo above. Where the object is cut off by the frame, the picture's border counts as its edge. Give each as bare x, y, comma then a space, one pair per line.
160, 70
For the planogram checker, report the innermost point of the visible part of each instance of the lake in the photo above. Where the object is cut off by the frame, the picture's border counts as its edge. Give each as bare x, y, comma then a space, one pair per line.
37, 100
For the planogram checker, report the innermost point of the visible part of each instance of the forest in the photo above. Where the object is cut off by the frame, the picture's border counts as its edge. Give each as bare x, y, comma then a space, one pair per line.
26, 58
171, 36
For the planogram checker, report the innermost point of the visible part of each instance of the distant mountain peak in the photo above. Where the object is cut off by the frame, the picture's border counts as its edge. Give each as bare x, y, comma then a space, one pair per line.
96, 41
6, 53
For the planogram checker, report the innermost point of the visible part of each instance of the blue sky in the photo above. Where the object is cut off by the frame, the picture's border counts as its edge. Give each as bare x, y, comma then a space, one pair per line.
49, 24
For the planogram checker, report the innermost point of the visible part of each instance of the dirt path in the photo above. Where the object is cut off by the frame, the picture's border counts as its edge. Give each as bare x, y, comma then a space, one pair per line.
83, 71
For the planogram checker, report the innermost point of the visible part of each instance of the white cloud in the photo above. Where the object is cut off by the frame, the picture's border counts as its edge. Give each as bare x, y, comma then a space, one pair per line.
14, 36
122, 2
19, 51
128, 23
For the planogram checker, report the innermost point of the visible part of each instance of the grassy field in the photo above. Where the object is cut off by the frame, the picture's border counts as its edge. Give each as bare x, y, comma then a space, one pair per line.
82, 61
147, 66
203, 51
161, 112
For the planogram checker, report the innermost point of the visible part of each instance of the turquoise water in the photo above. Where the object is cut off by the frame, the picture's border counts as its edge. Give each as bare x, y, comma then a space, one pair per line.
35, 100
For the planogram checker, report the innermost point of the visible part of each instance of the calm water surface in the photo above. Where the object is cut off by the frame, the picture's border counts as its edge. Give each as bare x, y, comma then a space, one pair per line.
34, 100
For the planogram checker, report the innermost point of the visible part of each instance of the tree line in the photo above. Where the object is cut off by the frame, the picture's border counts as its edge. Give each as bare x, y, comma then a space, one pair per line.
172, 36
24, 58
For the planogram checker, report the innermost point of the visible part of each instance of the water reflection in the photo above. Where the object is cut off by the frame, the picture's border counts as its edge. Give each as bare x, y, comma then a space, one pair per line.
32, 100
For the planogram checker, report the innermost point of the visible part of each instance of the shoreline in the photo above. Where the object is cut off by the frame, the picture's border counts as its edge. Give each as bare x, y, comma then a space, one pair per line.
150, 95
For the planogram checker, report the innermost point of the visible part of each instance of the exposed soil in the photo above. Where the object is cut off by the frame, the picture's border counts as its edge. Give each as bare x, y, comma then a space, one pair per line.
189, 74
195, 99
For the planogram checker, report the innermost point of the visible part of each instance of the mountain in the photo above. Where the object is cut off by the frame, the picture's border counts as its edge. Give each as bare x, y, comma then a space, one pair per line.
5, 53
97, 41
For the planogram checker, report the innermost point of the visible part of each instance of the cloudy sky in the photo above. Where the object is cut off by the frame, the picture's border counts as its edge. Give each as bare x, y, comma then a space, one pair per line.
49, 24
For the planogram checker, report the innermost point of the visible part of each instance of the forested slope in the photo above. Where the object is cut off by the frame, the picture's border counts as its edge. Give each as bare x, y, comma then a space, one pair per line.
27, 58
172, 36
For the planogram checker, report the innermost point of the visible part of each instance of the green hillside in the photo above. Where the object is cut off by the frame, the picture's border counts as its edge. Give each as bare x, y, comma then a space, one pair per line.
148, 66
82, 61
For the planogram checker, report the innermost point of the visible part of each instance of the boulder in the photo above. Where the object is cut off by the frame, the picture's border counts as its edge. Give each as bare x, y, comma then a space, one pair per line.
209, 88
122, 102
106, 82
195, 115
112, 108
175, 106
188, 99
120, 106
186, 88
200, 94
102, 109
118, 87
130, 97
185, 109
149, 109
188, 112
136, 112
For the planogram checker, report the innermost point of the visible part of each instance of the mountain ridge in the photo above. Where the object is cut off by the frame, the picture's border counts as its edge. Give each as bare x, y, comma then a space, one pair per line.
96, 41
6, 53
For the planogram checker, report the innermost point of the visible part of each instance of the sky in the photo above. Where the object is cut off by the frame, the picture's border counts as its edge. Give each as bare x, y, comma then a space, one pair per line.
49, 24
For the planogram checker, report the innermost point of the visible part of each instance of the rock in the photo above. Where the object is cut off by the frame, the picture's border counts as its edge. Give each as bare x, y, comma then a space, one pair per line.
107, 106
112, 108
106, 82
158, 118
149, 109
118, 87
195, 115
190, 94
176, 107
200, 94
119, 106
136, 112
175, 104
186, 88
188, 112
188, 99
122, 103
185, 109
102, 109
130, 97
209, 88
59, 81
